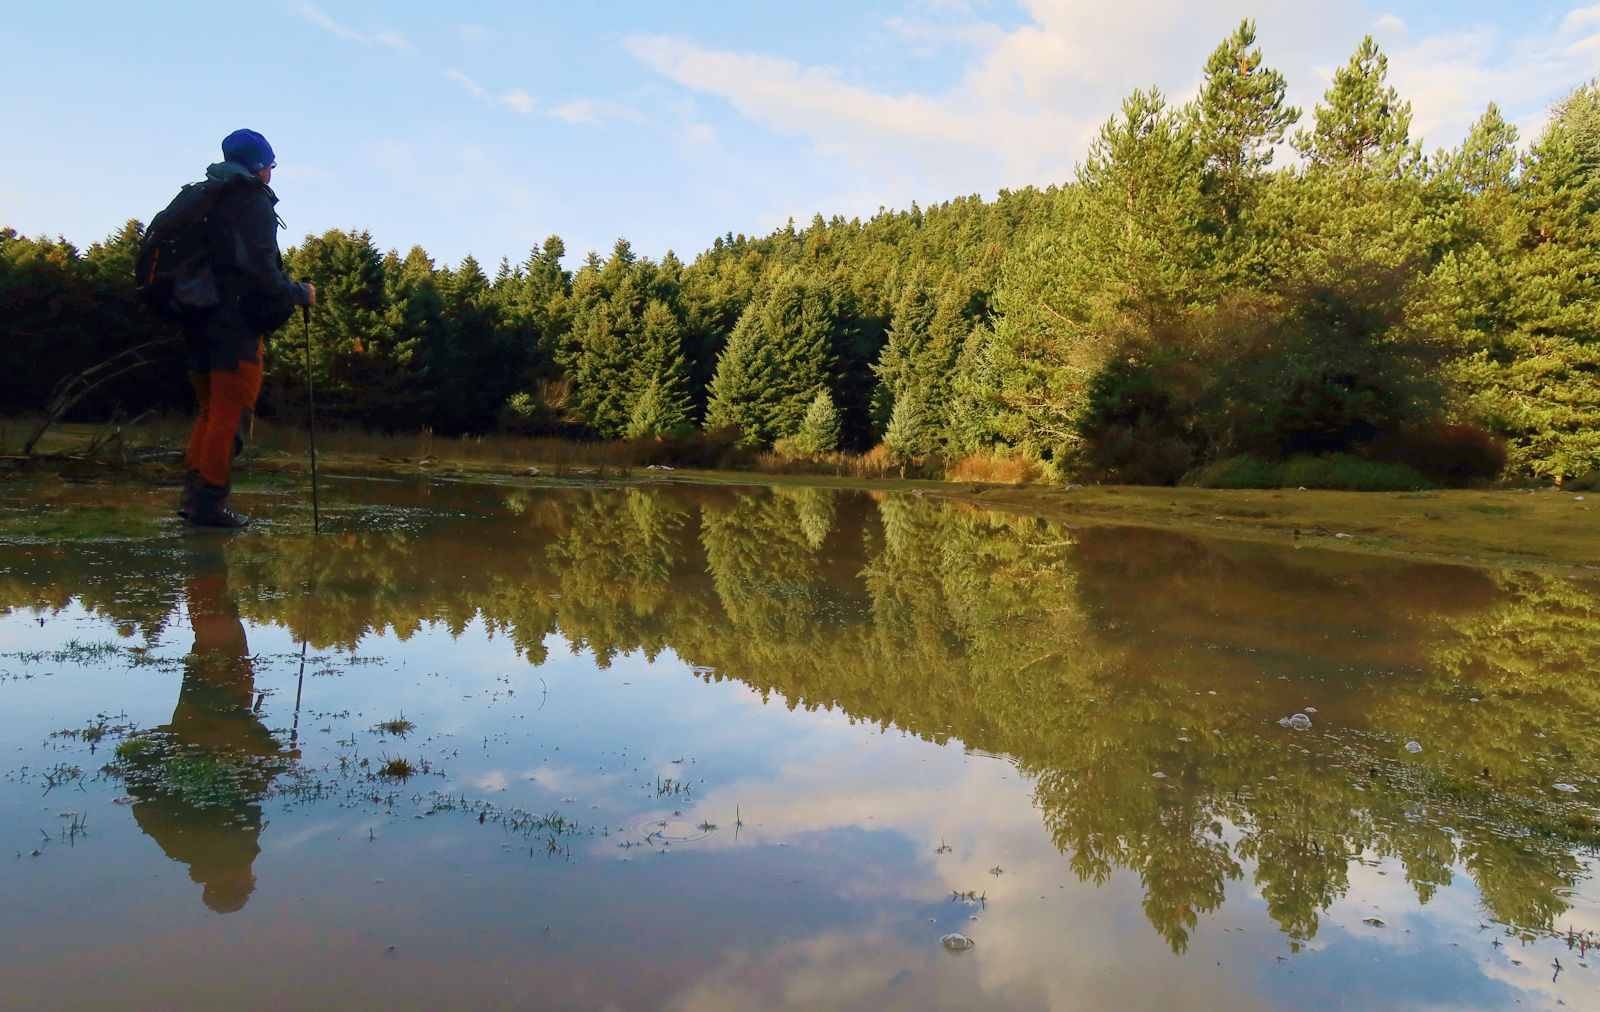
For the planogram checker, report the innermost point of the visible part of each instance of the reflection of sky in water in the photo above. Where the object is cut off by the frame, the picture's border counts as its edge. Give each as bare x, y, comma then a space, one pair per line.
833, 892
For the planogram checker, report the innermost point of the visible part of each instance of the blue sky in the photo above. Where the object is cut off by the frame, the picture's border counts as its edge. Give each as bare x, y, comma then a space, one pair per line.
483, 127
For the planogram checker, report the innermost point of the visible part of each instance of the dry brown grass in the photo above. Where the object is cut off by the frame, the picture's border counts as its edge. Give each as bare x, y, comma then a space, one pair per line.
712, 451
1014, 469
876, 464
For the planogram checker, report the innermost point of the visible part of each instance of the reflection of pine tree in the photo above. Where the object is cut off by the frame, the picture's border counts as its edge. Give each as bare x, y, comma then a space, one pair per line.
763, 568
619, 564
1076, 652
814, 509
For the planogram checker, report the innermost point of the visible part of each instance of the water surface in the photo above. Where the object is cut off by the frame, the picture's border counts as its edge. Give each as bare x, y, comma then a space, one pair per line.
690, 748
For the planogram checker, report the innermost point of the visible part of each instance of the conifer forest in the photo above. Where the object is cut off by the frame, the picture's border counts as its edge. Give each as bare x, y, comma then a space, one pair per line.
1229, 278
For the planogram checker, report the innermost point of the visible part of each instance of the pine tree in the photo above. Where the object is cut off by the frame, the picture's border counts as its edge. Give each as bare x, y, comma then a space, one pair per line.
1239, 116
656, 413
775, 361
1121, 249
1362, 123
975, 398
910, 433
819, 429
1532, 371
658, 374
738, 390
908, 335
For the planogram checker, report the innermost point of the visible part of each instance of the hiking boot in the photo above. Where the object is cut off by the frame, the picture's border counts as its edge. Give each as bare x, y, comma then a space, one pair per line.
191, 481
208, 510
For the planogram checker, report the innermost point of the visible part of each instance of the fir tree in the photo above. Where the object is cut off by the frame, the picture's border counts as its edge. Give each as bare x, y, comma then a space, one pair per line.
738, 390
775, 361
656, 413
1120, 246
819, 429
910, 433
658, 373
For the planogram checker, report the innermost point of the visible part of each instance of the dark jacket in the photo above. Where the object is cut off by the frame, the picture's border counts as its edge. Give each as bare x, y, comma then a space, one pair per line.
257, 297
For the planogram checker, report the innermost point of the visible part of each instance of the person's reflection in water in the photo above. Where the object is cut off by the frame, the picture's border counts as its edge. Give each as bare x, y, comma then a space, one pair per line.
199, 779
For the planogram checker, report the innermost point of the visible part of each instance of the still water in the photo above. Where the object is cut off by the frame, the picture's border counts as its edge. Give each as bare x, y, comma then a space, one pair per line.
705, 749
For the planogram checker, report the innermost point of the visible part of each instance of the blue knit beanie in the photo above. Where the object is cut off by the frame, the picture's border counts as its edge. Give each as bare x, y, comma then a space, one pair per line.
249, 149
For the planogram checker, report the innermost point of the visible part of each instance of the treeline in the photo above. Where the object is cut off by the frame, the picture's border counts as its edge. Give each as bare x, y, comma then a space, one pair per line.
1180, 301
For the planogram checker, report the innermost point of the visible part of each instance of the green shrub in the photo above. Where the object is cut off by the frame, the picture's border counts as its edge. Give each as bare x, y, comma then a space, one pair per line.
1233, 472
1340, 471
1351, 474
1455, 455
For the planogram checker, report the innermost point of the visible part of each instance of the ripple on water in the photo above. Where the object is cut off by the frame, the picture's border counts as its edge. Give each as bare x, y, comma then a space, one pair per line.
668, 830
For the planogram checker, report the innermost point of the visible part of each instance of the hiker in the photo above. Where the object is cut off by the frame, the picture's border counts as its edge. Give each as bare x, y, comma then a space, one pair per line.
225, 344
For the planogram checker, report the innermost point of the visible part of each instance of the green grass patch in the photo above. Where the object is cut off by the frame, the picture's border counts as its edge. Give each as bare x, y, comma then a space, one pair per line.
1340, 472
83, 523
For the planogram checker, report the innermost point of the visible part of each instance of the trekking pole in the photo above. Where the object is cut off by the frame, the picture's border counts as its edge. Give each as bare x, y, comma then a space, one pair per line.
311, 415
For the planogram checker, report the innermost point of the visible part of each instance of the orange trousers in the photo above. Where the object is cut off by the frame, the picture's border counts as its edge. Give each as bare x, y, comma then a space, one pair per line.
223, 398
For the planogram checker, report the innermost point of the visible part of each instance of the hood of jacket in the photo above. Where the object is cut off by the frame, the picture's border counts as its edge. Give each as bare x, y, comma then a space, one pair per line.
232, 173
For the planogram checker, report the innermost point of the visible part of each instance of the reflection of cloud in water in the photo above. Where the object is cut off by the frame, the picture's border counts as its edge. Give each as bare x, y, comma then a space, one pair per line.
567, 780
1533, 977
921, 790
1066, 962
868, 970
287, 840
1041, 934
492, 780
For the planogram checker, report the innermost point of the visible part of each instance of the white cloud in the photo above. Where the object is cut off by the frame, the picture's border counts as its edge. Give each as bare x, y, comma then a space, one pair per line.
466, 82
932, 27
387, 36
321, 20
519, 100
1577, 18
1027, 101
1450, 79
474, 33
577, 112
597, 112
514, 99
844, 120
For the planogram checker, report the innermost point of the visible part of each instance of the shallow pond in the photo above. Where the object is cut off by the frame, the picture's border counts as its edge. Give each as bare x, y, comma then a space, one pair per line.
713, 748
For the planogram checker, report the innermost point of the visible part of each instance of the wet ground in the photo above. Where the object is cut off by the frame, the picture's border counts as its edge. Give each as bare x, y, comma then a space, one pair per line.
768, 748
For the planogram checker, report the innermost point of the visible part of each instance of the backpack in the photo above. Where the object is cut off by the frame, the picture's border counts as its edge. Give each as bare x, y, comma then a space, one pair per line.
173, 271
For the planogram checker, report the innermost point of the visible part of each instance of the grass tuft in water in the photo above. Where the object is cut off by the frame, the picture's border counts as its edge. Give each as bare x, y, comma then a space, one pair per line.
398, 727
398, 768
